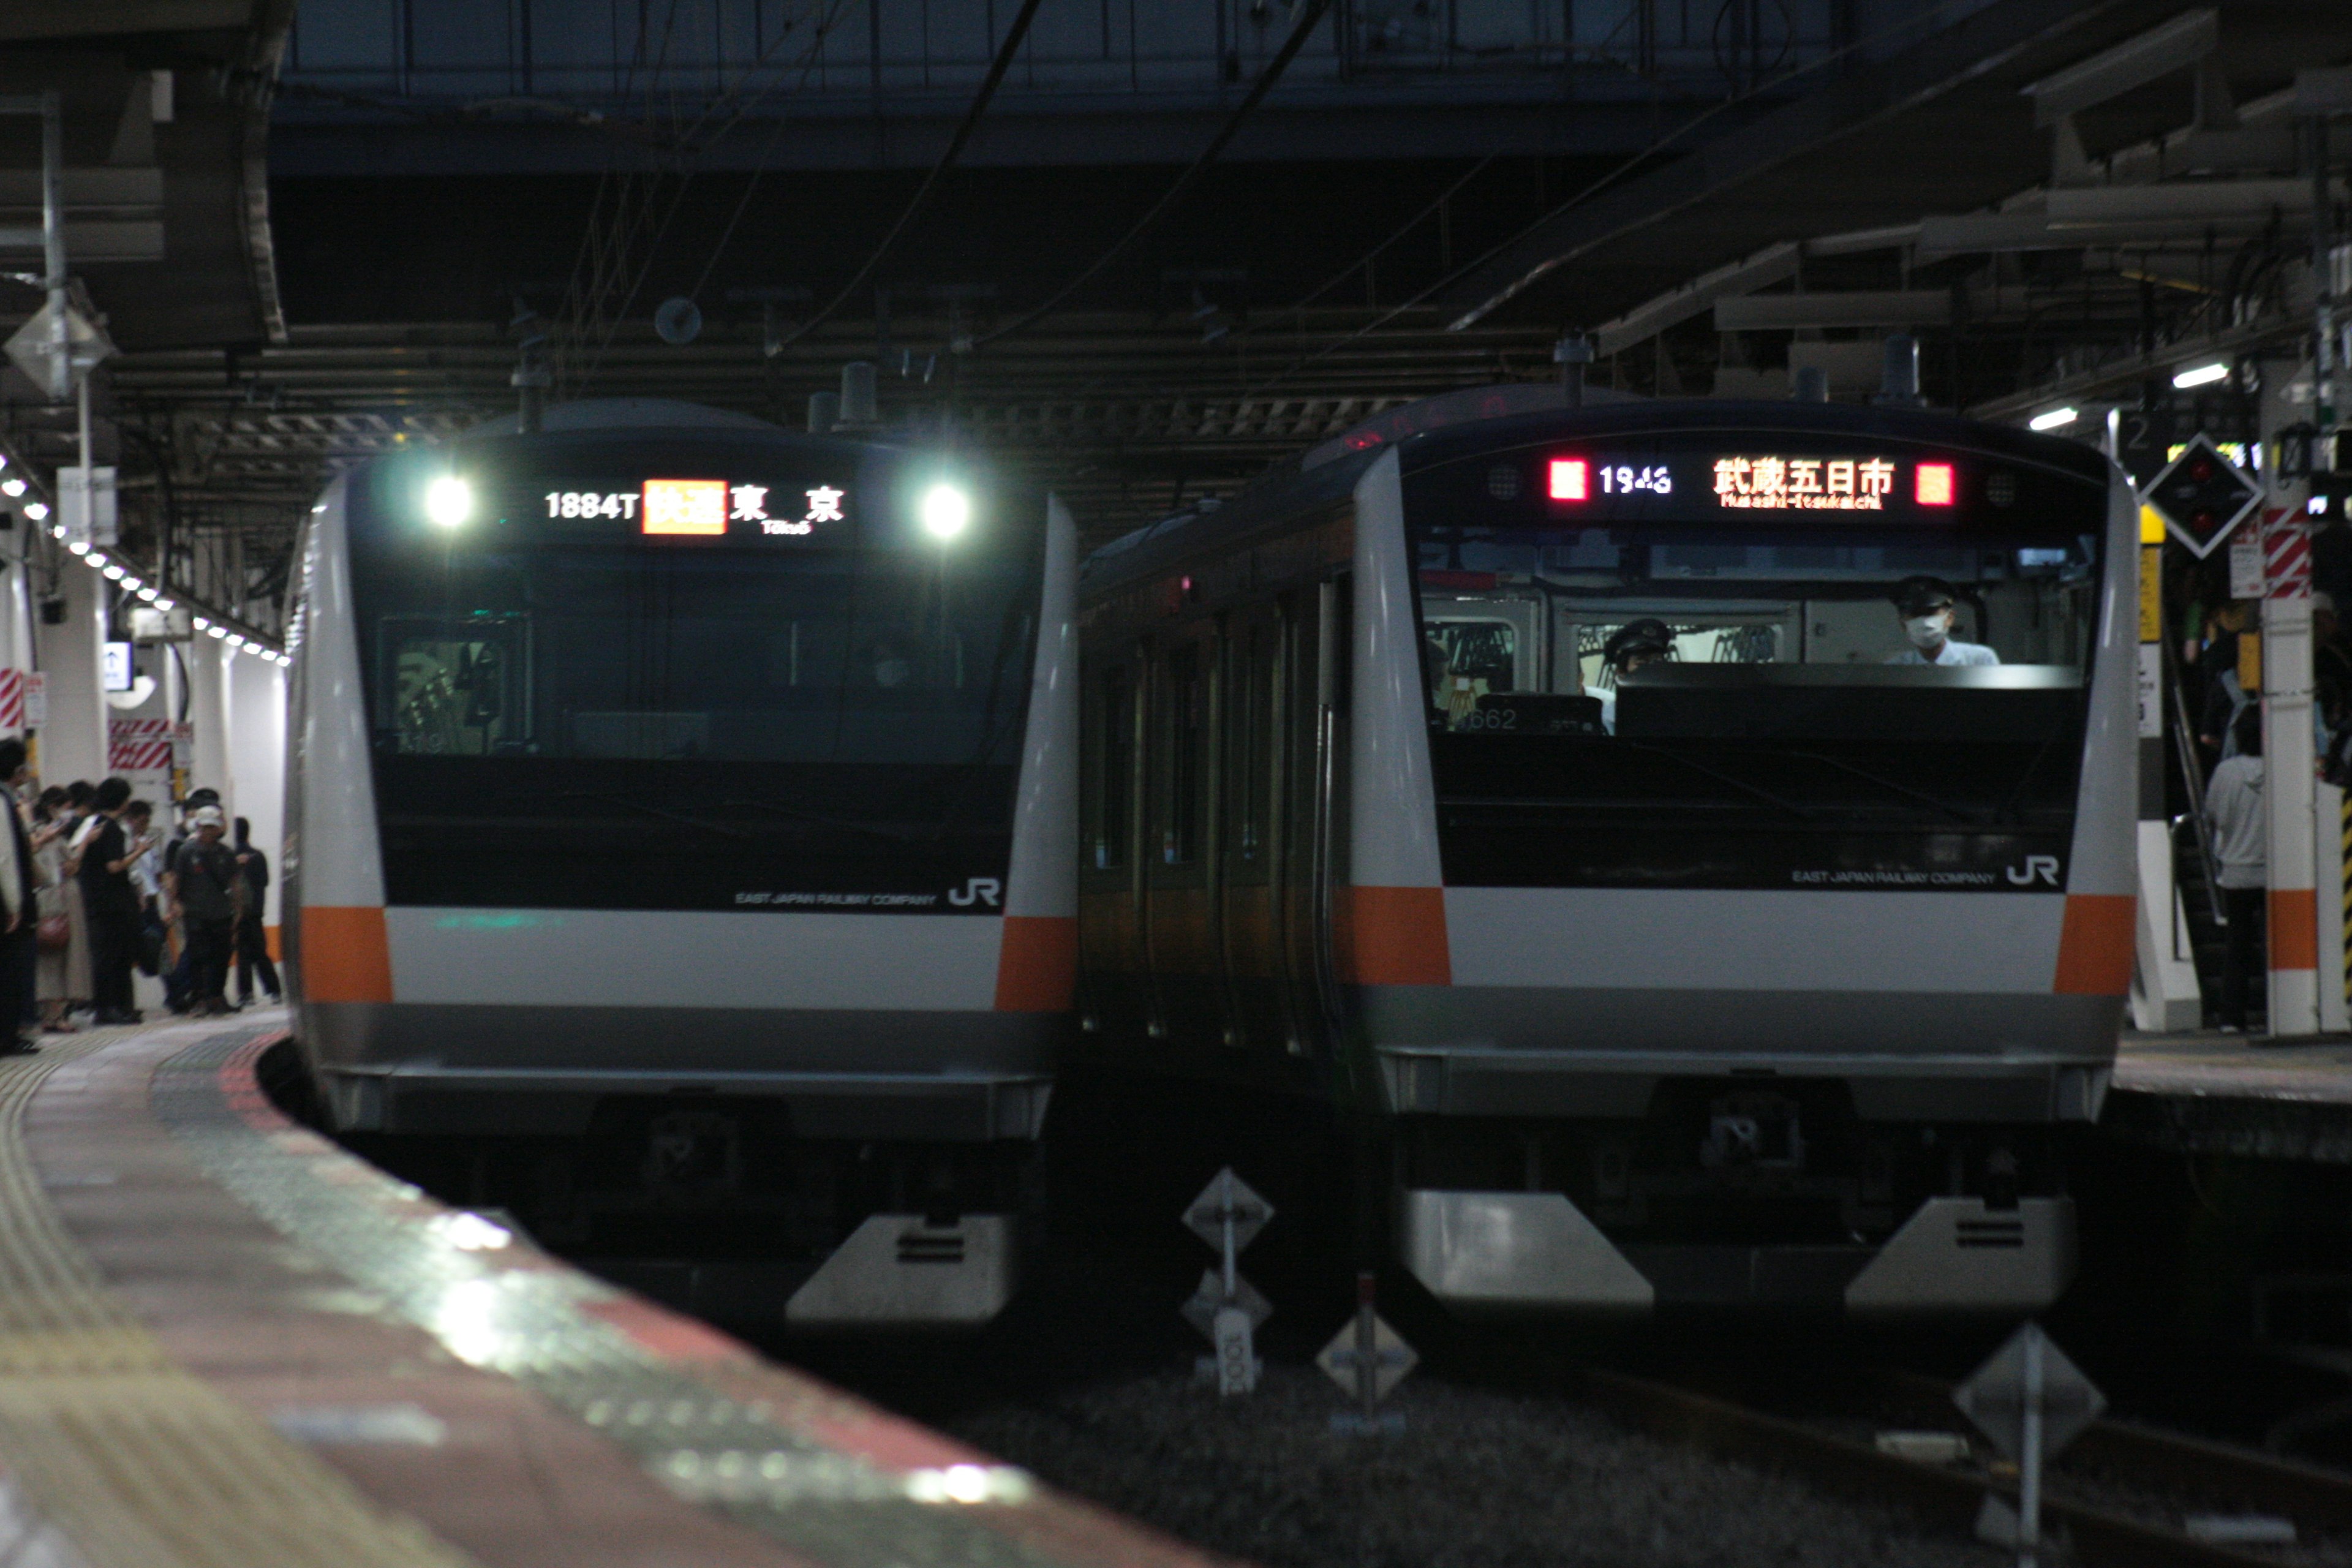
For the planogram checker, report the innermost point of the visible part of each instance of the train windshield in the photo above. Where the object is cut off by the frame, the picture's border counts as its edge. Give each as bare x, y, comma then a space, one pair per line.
606, 686
1679, 669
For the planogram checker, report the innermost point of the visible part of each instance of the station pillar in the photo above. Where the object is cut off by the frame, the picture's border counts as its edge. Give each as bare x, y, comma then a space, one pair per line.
2289, 772
207, 716
2164, 995
73, 735
253, 782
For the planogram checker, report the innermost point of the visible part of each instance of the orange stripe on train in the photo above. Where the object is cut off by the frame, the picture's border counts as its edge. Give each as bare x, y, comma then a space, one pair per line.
346, 956
1037, 967
2096, 945
1393, 936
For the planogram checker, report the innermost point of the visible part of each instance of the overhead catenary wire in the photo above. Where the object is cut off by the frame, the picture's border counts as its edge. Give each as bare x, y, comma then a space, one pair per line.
1612, 177
1308, 17
807, 62
1006, 52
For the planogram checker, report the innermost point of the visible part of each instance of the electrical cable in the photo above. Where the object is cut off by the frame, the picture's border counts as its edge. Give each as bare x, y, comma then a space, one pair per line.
947, 160
1184, 182
660, 231
627, 228
1606, 181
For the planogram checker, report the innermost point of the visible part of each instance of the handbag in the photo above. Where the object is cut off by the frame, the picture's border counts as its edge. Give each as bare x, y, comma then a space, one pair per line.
55, 933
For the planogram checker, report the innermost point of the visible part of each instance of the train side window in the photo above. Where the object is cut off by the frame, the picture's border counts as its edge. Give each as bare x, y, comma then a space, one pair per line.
1180, 843
1115, 782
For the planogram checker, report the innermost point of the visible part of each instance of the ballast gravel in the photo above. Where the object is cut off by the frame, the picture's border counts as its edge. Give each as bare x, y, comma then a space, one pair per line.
1476, 1479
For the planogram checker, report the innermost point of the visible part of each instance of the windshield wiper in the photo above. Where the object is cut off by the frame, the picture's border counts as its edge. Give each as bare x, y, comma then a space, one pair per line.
1742, 786
613, 798
892, 835
1974, 818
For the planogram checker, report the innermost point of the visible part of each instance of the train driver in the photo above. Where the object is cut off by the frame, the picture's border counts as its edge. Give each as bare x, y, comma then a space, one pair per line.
1629, 648
1924, 605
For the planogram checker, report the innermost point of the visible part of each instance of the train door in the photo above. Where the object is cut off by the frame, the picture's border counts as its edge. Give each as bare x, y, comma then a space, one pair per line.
1312, 740
1179, 909
1250, 851
1117, 998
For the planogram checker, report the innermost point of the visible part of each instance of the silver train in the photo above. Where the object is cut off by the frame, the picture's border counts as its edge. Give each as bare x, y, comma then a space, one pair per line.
679, 828
1774, 971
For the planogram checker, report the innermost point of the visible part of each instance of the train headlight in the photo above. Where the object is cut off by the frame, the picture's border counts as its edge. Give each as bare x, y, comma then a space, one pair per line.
946, 510
449, 501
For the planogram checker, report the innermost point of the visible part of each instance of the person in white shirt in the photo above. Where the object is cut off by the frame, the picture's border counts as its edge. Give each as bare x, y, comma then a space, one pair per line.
2233, 810
1925, 604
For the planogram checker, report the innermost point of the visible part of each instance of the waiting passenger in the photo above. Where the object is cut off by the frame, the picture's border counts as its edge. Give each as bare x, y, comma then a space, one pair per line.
2233, 809
209, 889
101, 862
1629, 648
1925, 605
252, 939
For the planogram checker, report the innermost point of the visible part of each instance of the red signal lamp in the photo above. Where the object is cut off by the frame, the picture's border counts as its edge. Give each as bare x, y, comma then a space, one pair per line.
1571, 480
1936, 485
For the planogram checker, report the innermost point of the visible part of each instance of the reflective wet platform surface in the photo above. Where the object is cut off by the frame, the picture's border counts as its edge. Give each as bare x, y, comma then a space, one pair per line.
2235, 1094
224, 1341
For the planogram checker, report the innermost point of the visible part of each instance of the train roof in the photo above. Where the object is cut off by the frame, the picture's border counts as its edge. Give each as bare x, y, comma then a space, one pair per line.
1439, 429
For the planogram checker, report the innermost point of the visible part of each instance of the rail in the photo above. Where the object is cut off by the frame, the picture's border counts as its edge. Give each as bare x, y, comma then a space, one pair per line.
1951, 1496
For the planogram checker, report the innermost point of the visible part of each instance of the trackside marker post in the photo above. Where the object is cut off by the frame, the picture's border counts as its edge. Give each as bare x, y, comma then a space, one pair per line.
1228, 1309
2030, 1401
1368, 1358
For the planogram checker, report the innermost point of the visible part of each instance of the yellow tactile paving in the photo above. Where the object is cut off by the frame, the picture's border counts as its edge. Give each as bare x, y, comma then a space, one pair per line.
139, 1464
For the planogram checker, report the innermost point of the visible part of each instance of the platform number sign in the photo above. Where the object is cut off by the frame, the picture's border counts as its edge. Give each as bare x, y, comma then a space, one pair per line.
2202, 496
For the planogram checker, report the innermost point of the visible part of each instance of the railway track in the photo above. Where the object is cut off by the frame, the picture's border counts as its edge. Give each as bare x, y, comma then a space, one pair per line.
2108, 1498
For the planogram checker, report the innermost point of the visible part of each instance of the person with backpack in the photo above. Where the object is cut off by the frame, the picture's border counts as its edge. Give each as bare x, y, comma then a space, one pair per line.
208, 889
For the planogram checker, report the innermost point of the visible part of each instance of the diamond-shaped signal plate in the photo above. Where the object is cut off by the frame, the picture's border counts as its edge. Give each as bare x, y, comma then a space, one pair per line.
1994, 1396
2202, 496
1225, 1191
1201, 1311
1391, 1358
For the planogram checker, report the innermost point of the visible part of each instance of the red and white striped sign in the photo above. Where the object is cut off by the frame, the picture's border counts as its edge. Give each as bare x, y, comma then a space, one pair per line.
138, 746
12, 699
2287, 556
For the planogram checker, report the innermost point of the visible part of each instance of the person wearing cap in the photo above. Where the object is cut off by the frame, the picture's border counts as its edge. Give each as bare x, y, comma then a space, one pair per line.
209, 890
1925, 605
1629, 648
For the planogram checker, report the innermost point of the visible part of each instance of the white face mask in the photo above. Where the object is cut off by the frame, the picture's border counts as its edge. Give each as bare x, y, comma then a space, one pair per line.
1925, 631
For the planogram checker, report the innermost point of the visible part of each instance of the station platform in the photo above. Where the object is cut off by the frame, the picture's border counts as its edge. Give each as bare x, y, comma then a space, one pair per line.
2234, 1094
225, 1341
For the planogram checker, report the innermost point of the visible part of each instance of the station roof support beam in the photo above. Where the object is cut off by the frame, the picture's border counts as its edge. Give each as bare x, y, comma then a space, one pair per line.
2175, 46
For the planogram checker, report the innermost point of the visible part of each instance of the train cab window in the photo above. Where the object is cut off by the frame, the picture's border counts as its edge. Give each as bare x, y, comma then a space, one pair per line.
573, 709
1750, 680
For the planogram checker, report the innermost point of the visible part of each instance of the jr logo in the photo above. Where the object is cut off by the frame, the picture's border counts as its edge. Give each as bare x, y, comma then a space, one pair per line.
2037, 868
985, 891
